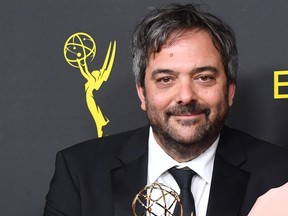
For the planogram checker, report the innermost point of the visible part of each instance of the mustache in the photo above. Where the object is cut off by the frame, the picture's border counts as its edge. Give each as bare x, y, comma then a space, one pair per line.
191, 108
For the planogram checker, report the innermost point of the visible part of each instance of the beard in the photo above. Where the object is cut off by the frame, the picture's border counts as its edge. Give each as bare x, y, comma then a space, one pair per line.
187, 138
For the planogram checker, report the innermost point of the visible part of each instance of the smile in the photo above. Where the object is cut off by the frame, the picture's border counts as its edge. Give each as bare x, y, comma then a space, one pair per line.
187, 116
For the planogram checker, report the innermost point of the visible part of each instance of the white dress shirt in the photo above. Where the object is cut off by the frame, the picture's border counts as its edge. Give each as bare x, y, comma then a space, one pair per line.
159, 162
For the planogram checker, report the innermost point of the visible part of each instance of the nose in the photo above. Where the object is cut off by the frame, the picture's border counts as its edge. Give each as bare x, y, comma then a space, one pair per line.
186, 93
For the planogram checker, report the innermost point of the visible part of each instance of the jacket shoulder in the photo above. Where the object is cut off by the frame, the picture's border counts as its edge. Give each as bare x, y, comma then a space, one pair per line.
248, 142
256, 153
103, 147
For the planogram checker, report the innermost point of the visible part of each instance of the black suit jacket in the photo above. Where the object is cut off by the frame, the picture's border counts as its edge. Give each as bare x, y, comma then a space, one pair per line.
102, 176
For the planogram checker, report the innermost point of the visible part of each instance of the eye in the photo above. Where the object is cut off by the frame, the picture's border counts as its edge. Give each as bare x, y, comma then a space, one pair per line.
165, 80
205, 79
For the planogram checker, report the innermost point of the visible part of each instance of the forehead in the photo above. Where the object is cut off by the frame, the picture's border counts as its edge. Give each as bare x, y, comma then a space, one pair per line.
195, 45
174, 37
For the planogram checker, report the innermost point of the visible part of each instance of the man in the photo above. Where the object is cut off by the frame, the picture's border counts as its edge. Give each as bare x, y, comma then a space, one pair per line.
185, 64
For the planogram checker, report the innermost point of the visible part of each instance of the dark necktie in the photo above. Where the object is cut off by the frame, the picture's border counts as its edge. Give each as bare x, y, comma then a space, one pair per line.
183, 178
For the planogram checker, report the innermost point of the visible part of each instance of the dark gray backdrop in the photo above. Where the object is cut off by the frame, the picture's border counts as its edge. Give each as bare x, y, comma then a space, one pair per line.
43, 107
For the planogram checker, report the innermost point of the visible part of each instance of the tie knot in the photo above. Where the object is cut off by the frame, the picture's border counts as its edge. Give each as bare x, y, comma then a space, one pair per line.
182, 176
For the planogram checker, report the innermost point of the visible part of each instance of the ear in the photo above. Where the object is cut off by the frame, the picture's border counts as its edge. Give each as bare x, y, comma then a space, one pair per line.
141, 95
232, 90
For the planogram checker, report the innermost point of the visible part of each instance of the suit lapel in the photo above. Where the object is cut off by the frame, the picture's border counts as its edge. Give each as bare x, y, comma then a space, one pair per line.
229, 182
227, 189
129, 175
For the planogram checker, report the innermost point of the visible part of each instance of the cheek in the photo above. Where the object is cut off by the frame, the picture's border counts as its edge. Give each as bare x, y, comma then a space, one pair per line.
158, 101
212, 97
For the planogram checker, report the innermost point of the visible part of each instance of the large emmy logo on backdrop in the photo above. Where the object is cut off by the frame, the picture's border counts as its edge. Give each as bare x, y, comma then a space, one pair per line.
78, 49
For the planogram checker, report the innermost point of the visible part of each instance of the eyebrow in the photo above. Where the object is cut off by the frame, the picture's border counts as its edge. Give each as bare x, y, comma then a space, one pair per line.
161, 71
205, 68
194, 71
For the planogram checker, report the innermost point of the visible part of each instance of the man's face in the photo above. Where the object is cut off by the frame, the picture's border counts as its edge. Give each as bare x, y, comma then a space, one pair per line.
186, 95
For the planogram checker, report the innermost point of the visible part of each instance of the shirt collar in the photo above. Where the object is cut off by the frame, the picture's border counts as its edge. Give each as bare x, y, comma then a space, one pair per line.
159, 161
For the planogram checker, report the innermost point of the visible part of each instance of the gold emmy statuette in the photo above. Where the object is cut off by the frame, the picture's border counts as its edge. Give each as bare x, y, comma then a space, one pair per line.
153, 200
79, 48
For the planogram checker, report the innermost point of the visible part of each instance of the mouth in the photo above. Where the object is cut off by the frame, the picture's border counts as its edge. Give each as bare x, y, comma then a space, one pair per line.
187, 116
193, 111
187, 119
186, 113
